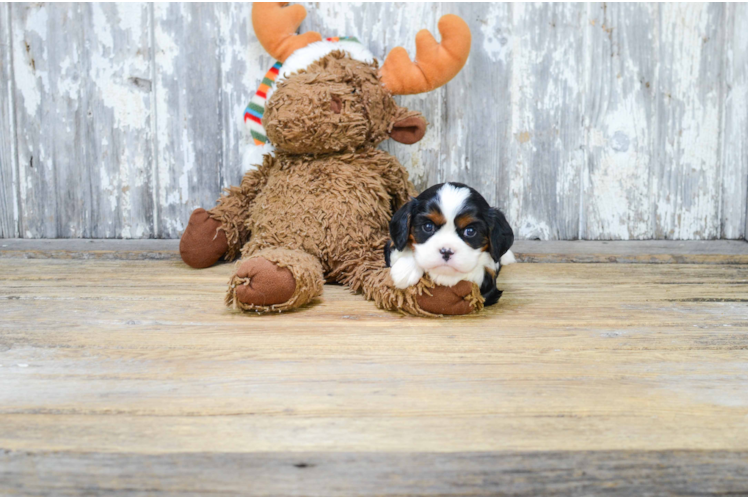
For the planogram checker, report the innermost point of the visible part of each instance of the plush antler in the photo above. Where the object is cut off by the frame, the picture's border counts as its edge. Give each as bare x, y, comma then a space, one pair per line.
275, 26
435, 64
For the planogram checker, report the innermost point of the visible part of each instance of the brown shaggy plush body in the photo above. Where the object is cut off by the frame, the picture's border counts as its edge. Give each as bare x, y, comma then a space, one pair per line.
319, 210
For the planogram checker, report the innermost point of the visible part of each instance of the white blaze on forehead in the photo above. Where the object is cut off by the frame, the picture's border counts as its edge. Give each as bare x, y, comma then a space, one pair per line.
451, 200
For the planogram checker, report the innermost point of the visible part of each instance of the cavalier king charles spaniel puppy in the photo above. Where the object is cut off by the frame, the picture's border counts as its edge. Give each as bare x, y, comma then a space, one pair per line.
450, 232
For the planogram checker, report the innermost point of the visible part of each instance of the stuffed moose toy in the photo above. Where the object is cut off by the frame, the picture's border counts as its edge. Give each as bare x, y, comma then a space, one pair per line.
318, 207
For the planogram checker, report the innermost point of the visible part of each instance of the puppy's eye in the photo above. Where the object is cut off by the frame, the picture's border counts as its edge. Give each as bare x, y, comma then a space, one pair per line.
469, 232
428, 227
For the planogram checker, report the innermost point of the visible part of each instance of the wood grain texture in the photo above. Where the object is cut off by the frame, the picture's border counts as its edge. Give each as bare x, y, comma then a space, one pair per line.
686, 176
476, 133
547, 107
734, 143
622, 114
109, 366
207, 64
592, 121
82, 80
8, 170
611, 473
626, 252
188, 112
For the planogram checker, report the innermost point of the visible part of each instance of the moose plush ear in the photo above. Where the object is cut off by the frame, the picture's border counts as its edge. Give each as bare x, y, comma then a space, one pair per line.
435, 63
410, 129
400, 225
502, 236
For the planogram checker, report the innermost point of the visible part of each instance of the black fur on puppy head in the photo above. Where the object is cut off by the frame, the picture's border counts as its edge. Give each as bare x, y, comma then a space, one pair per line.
451, 232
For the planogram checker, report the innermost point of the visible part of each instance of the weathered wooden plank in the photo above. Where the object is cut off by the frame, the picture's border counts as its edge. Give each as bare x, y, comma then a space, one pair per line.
735, 109
152, 351
118, 97
189, 114
382, 27
686, 179
243, 65
8, 171
82, 80
621, 112
142, 249
607, 156
547, 94
584, 379
648, 251
203, 87
476, 136
42, 126
201, 124
726, 252
604, 473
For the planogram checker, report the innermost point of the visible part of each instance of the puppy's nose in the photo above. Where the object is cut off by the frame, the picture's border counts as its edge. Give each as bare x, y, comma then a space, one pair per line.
446, 253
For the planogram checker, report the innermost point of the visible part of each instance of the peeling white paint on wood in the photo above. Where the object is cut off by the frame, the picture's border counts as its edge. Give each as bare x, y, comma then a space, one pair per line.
686, 180
82, 103
8, 167
735, 136
207, 64
621, 120
594, 121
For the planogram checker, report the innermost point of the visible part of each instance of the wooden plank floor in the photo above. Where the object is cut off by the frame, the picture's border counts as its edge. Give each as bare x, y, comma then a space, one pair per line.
131, 377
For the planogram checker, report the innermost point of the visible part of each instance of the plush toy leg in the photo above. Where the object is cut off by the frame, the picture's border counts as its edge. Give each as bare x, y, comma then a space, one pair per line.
423, 298
371, 277
275, 279
203, 242
221, 231
462, 298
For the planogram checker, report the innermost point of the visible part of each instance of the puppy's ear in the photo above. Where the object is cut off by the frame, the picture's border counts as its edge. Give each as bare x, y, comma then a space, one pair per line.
501, 234
400, 225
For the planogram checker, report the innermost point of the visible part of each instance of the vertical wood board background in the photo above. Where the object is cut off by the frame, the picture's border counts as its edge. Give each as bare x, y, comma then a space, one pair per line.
580, 121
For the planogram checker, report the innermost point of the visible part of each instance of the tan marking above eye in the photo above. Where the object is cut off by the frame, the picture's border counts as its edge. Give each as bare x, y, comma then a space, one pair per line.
436, 217
463, 221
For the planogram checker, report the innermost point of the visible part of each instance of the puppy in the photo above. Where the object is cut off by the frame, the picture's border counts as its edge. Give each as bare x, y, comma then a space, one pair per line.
450, 232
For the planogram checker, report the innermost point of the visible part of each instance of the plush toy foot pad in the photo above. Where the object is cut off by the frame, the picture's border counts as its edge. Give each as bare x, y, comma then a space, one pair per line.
448, 300
264, 283
202, 244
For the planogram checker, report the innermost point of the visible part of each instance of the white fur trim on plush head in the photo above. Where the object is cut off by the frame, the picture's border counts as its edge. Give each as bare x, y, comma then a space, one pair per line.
252, 155
305, 56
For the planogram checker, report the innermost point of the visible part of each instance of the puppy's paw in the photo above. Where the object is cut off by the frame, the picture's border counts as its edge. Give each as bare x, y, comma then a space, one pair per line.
405, 272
